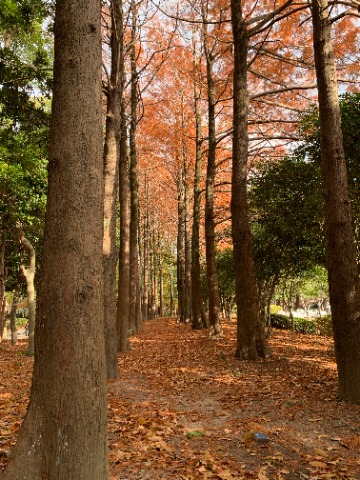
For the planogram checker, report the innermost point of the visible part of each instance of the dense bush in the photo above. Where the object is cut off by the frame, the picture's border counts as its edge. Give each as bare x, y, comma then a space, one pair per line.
303, 325
281, 321
319, 326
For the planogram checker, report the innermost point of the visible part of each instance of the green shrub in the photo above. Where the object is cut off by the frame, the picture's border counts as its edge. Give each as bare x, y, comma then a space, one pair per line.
21, 322
303, 325
281, 321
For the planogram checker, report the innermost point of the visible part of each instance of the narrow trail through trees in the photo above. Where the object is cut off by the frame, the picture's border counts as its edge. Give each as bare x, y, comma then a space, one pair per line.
185, 408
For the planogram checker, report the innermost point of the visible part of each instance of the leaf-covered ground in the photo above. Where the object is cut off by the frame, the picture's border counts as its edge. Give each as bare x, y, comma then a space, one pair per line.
185, 408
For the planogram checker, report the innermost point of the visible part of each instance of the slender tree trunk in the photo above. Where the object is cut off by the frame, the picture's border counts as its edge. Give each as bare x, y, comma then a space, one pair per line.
134, 253
187, 232
2, 282
111, 184
181, 247
211, 271
123, 305
172, 306
155, 269
161, 285
15, 301
250, 339
29, 274
138, 311
195, 243
64, 434
339, 232
145, 309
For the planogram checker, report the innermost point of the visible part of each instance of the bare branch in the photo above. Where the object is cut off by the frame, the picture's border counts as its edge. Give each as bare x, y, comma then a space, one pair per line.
282, 90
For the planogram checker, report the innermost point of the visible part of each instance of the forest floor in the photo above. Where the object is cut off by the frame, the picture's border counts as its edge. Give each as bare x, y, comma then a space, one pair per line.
185, 408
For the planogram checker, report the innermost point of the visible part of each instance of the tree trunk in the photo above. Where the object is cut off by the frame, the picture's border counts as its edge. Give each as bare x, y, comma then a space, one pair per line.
111, 183
161, 285
172, 305
64, 434
196, 298
250, 339
123, 304
2, 282
339, 233
14, 336
145, 302
29, 274
134, 221
181, 247
187, 233
211, 271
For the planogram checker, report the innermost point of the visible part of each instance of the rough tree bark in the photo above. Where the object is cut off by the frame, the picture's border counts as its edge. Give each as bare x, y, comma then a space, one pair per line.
250, 340
339, 234
64, 434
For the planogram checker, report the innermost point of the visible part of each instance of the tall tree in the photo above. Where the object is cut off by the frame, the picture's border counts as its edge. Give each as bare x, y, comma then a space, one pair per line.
123, 303
344, 288
64, 432
245, 280
211, 273
196, 298
135, 319
111, 183
250, 334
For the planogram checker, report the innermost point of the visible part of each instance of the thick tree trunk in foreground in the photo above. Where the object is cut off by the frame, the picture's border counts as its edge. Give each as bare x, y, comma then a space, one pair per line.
339, 234
64, 433
250, 340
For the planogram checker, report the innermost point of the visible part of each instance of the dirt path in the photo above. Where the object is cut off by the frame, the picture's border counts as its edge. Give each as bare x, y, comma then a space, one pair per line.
185, 408
176, 385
